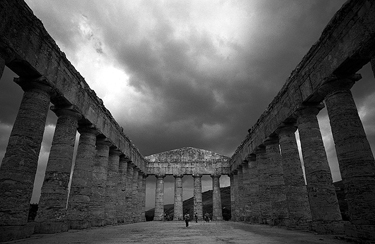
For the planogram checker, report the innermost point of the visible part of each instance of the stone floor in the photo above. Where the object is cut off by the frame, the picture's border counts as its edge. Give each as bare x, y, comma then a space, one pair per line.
176, 232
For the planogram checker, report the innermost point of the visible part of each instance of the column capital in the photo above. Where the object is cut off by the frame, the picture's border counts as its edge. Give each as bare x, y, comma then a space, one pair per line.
178, 175
307, 108
70, 111
114, 151
124, 159
215, 175
251, 157
286, 128
336, 83
88, 128
160, 176
260, 149
195, 175
40, 83
271, 140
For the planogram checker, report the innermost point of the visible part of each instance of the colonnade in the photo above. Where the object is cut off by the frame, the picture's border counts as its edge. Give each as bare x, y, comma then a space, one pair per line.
102, 181
275, 192
178, 201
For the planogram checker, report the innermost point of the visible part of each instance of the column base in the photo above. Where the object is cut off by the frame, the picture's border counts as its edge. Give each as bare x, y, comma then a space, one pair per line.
50, 227
111, 222
334, 227
299, 225
79, 224
364, 233
97, 222
15, 232
252, 219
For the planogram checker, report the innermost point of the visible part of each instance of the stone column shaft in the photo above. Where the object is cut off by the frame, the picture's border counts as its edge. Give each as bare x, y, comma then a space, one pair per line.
139, 196
56, 181
325, 211
240, 206
178, 208
295, 188
264, 186
143, 200
235, 211
279, 211
246, 191
121, 195
357, 165
18, 168
129, 194
217, 212
159, 198
198, 205
99, 182
253, 190
111, 187
135, 197
80, 190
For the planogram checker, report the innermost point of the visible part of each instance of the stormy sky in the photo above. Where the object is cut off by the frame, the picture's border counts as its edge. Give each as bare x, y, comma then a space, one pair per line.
195, 73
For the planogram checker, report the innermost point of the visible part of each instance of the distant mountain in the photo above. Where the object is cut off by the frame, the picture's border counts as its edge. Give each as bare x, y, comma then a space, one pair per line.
188, 205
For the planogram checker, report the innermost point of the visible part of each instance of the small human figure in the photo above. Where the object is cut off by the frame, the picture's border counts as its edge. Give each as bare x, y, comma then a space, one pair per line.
206, 217
187, 218
196, 217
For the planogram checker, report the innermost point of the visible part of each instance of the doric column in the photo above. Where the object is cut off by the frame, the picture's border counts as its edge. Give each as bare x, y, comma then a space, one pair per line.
253, 190
357, 165
121, 190
295, 188
99, 181
198, 206
264, 187
135, 198
325, 211
246, 189
234, 195
159, 198
140, 205
129, 193
111, 186
240, 205
51, 216
178, 208
279, 211
143, 198
18, 168
217, 212
2, 66
80, 190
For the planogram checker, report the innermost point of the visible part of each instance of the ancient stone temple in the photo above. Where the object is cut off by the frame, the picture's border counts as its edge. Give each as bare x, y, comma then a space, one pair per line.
182, 162
107, 184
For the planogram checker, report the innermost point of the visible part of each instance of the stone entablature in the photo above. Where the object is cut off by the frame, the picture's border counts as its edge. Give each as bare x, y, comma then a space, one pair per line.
187, 161
31, 53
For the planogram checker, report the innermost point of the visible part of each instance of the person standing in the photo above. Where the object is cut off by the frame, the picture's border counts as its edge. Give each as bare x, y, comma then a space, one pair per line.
187, 218
196, 217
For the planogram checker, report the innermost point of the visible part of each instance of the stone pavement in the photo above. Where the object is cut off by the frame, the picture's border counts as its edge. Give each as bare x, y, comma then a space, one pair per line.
176, 232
